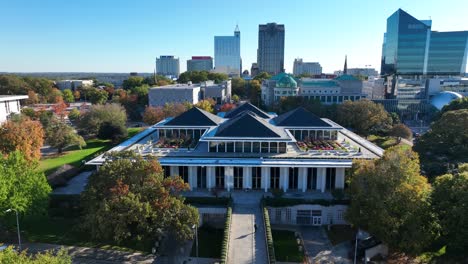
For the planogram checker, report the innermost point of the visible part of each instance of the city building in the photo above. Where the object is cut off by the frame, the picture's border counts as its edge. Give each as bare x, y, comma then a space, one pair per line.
227, 54
270, 53
411, 48
309, 68
200, 63
10, 104
374, 88
168, 66
191, 93
73, 84
254, 70
296, 152
327, 91
365, 72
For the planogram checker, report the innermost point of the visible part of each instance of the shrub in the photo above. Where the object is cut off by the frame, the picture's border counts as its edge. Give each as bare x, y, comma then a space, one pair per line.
269, 236
227, 231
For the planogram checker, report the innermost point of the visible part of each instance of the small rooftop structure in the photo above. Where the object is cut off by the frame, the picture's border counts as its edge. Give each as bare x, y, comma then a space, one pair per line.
195, 117
299, 117
246, 107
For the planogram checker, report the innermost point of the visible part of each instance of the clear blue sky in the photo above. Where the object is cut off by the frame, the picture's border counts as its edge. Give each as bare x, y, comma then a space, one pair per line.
124, 36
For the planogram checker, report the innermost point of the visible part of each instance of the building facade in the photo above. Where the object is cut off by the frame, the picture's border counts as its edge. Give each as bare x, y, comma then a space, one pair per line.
200, 63
327, 91
309, 68
73, 84
10, 104
168, 66
411, 48
296, 151
227, 54
270, 53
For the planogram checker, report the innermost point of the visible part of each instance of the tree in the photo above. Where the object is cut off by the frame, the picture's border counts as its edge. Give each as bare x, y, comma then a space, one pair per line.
364, 116
255, 92
74, 115
10, 256
262, 76
172, 110
450, 202
77, 95
401, 131
23, 187
60, 135
24, 135
91, 121
227, 107
153, 115
97, 96
390, 199
132, 82
235, 98
112, 131
206, 105
55, 96
238, 87
68, 96
217, 77
461, 103
13, 85
445, 143
128, 199
32, 98
59, 109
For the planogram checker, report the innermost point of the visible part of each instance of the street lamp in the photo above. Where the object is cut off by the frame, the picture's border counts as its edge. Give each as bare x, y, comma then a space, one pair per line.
196, 239
17, 226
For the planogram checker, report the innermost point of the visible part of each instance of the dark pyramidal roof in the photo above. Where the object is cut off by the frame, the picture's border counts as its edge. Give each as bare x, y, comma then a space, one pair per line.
299, 117
248, 125
195, 117
246, 107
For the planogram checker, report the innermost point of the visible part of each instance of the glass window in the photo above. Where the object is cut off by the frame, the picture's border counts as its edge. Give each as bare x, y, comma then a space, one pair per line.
282, 147
238, 146
264, 147
221, 147
247, 147
256, 147
213, 146
273, 147
230, 147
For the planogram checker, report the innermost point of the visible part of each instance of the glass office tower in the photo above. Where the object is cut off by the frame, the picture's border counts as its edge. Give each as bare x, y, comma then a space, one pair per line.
270, 53
411, 48
227, 53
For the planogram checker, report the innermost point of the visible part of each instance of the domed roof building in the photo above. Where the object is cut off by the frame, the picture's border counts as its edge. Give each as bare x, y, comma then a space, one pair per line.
442, 99
280, 85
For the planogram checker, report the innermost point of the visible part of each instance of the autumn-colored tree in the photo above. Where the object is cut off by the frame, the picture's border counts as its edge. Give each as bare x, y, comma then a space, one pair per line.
74, 115
60, 135
32, 98
364, 116
206, 105
55, 96
129, 200
153, 114
227, 107
173, 110
59, 109
24, 135
401, 131
77, 95
391, 200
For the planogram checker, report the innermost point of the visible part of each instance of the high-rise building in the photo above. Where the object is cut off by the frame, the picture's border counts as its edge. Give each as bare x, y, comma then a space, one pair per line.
310, 68
200, 63
411, 48
168, 66
227, 54
270, 53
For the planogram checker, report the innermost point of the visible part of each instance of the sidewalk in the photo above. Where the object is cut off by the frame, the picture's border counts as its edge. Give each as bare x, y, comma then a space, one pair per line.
93, 255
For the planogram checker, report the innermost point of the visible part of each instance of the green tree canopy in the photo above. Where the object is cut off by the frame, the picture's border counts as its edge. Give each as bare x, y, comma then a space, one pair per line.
22, 187
450, 203
91, 121
401, 131
112, 131
68, 96
239, 87
391, 200
262, 76
128, 199
461, 103
10, 256
60, 135
132, 82
364, 116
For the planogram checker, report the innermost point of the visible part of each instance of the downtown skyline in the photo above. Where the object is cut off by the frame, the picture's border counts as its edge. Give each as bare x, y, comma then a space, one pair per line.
120, 37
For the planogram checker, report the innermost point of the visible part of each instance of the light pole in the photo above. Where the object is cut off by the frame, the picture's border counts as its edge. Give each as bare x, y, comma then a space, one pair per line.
17, 226
196, 239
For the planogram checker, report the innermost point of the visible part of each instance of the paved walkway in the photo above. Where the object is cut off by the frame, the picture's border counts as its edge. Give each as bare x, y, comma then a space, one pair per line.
247, 246
320, 250
75, 185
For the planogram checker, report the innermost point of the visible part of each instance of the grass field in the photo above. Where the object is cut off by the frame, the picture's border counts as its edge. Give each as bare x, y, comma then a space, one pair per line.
210, 241
74, 155
286, 248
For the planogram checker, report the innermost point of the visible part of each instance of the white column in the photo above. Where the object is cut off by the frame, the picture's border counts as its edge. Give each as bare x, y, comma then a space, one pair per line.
192, 176
174, 171
247, 177
210, 177
284, 178
266, 178
340, 178
228, 178
321, 178
302, 179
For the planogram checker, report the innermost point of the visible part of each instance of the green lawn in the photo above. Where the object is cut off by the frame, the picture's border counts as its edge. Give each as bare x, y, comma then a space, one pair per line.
74, 155
340, 233
65, 231
383, 142
210, 241
286, 248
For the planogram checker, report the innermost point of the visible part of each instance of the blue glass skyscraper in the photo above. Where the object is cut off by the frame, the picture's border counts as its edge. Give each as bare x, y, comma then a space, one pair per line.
227, 53
411, 48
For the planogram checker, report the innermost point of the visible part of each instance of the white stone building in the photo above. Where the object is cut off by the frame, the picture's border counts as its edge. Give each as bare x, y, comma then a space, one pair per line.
73, 84
10, 104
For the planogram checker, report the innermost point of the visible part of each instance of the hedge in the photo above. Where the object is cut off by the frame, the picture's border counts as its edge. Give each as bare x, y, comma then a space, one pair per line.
217, 201
65, 205
227, 231
284, 202
269, 237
